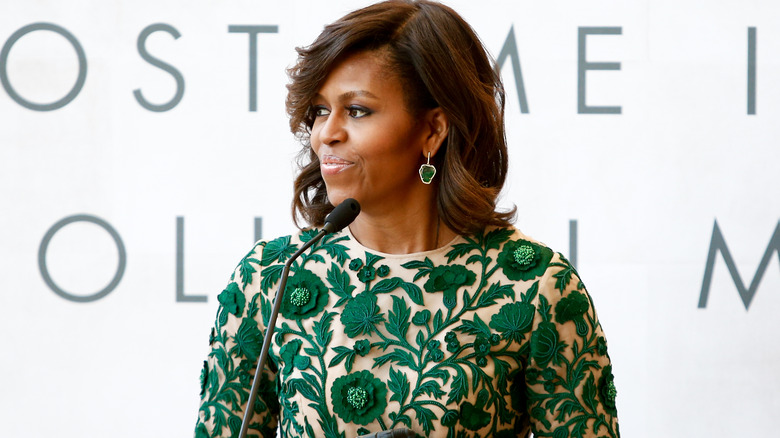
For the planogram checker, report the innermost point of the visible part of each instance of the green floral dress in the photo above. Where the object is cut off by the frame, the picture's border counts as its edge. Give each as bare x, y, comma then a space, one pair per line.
493, 335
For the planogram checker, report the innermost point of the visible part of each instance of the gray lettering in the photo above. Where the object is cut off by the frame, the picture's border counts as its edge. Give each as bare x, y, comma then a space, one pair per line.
583, 66
751, 72
258, 228
45, 270
180, 296
253, 31
162, 66
82, 76
509, 50
573, 242
718, 243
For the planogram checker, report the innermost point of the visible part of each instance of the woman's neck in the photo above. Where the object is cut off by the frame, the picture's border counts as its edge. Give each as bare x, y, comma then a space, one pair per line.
401, 233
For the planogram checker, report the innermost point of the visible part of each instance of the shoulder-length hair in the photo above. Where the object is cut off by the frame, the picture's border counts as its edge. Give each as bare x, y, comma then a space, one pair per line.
441, 63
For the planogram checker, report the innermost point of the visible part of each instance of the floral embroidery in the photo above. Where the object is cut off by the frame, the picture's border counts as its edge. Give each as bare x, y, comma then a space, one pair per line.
453, 344
355, 264
290, 357
422, 317
249, 340
366, 274
434, 353
571, 308
524, 260
305, 296
474, 417
561, 432
450, 418
361, 315
476, 360
545, 344
359, 397
607, 390
513, 321
449, 279
362, 347
601, 346
481, 349
232, 299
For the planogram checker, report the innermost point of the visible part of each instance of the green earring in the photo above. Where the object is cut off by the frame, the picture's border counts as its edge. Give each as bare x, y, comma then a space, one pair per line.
427, 171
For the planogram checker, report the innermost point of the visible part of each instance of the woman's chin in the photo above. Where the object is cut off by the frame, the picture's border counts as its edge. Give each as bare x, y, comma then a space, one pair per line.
337, 197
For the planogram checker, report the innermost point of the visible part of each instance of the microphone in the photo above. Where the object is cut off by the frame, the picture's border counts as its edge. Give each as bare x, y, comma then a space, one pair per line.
340, 217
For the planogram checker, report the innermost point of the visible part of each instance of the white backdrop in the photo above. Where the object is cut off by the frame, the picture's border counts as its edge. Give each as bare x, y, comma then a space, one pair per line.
645, 187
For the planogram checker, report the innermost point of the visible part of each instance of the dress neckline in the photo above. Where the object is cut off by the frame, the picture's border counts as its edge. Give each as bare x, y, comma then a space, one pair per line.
412, 255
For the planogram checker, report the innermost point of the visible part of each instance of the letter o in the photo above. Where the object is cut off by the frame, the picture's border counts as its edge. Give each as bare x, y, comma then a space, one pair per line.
45, 246
82, 77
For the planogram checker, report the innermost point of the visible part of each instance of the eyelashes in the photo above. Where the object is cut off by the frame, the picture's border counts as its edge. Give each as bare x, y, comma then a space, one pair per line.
353, 111
357, 112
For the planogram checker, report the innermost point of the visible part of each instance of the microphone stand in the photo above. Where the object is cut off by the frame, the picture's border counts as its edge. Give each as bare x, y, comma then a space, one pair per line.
340, 217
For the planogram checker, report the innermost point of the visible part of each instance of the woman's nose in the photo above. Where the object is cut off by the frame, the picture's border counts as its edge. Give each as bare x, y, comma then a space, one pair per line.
333, 130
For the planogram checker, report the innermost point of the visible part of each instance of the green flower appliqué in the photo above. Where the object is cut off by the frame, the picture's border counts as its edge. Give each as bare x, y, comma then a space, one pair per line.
355, 264
545, 344
362, 347
366, 274
601, 346
305, 296
291, 358
524, 260
571, 308
232, 299
434, 353
482, 350
607, 390
249, 340
453, 344
448, 279
359, 397
422, 317
513, 321
474, 417
300, 297
361, 315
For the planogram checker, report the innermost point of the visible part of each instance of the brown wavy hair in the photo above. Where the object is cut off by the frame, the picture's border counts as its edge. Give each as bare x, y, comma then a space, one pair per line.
440, 62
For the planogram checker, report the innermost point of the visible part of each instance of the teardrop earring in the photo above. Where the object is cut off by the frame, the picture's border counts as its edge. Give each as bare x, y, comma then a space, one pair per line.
427, 171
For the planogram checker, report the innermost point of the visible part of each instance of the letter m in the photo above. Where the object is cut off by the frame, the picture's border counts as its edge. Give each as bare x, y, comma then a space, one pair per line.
718, 243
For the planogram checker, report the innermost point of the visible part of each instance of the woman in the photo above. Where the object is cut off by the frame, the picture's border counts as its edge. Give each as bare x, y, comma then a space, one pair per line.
430, 312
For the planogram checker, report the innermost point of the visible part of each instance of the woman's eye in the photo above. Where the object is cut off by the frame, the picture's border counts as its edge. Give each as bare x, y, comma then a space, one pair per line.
320, 111
357, 112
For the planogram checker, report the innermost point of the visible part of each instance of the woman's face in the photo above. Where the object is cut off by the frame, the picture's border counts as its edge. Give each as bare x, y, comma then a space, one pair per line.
369, 146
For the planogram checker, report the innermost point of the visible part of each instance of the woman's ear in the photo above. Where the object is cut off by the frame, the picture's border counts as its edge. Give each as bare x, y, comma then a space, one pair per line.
437, 128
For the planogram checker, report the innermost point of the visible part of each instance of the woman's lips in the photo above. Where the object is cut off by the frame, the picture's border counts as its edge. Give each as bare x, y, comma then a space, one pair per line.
331, 165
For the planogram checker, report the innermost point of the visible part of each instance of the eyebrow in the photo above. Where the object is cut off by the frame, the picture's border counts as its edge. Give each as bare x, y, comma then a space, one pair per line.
352, 94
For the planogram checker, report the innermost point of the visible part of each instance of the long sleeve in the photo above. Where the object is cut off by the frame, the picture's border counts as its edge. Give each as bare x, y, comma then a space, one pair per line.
569, 383
236, 341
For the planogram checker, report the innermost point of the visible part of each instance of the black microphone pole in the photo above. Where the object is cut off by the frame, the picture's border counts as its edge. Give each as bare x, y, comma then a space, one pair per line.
340, 217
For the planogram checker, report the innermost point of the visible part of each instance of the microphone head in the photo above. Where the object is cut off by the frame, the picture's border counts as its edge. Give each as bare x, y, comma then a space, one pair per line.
341, 216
